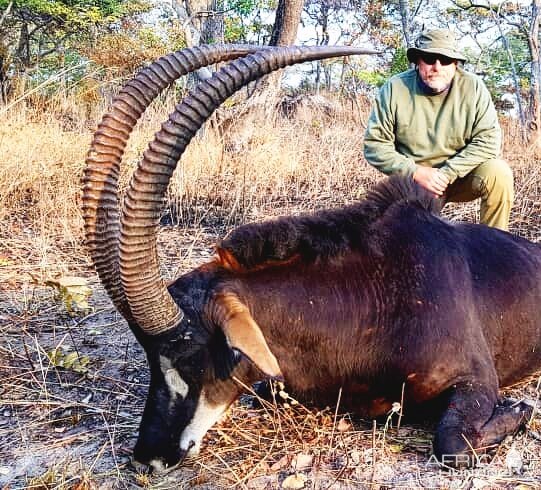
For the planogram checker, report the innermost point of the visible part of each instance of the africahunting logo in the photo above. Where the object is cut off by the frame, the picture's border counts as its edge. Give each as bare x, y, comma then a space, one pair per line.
478, 465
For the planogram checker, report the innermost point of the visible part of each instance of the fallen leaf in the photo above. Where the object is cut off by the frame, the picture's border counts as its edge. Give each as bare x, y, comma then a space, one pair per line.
5, 261
479, 483
302, 462
513, 460
282, 463
87, 399
355, 457
69, 360
82, 485
73, 291
262, 468
295, 482
343, 425
283, 394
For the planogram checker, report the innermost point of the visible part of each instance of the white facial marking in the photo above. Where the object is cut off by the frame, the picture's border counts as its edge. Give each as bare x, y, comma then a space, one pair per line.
176, 385
203, 419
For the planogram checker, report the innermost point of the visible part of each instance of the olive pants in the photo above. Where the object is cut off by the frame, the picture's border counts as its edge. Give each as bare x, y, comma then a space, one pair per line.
492, 181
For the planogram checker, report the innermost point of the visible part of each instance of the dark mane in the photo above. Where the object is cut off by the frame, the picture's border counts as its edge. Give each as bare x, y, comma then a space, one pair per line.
320, 235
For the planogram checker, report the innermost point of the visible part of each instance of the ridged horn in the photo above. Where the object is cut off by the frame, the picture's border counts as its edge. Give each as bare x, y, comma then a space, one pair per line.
101, 174
151, 303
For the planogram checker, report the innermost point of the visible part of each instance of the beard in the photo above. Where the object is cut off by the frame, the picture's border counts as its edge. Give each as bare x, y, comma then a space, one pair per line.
438, 84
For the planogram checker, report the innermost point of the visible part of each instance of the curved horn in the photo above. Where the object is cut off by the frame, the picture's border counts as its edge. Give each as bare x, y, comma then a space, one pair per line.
151, 304
100, 179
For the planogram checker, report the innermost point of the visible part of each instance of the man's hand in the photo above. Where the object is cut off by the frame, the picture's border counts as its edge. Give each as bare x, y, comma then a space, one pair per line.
431, 179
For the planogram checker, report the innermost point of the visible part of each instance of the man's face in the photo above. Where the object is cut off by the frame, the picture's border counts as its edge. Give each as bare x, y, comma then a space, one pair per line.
436, 71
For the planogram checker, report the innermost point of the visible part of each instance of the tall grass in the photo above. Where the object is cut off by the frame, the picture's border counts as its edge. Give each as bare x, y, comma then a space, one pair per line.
263, 165
258, 166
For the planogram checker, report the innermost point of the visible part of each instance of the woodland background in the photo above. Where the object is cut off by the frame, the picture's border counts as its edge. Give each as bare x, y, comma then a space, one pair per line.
72, 378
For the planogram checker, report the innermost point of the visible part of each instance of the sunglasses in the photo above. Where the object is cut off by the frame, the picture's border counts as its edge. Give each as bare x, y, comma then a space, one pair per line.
430, 59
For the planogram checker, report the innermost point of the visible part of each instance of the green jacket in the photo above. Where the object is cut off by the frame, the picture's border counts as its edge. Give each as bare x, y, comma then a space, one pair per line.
454, 131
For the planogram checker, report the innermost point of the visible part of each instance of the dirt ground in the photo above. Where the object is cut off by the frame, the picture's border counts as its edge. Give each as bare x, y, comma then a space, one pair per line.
73, 388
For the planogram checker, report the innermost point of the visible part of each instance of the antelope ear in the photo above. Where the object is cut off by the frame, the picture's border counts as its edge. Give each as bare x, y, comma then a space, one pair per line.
243, 333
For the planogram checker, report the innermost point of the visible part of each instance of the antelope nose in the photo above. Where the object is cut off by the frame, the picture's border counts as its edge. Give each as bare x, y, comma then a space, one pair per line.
159, 464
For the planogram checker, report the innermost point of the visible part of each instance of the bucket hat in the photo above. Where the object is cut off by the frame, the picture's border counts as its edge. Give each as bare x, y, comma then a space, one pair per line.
437, 41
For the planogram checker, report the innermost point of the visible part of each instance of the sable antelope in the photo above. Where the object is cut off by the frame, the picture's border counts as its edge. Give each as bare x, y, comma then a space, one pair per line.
367, 298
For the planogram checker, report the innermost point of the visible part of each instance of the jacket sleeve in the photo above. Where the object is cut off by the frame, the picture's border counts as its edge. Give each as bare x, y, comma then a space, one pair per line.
379, 140
485, 139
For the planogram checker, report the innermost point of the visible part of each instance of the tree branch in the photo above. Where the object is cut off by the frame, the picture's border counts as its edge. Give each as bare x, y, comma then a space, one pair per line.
6, 13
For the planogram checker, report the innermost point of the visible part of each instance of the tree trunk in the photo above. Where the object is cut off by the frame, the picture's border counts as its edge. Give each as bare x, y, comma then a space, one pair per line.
203, 24
286, 22
23, 47
405, 16
4, 54
284, 33
4, 83
323, 21
5, 13
207, 20
516, 82
534, 119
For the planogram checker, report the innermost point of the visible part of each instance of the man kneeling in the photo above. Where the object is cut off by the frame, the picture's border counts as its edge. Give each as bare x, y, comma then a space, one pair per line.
437, 123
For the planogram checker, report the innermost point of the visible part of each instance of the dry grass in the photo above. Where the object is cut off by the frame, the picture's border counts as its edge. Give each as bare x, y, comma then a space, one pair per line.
222, 180
259, 166
60, 428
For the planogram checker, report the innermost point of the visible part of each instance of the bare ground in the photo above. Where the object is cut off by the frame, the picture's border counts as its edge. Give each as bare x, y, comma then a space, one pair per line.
75, 427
